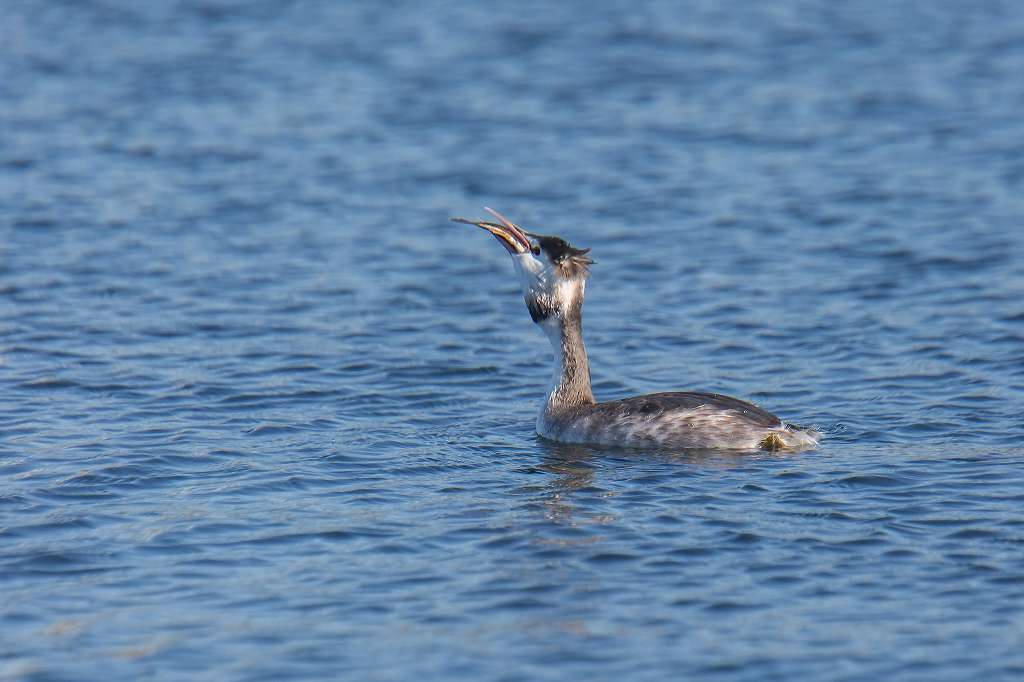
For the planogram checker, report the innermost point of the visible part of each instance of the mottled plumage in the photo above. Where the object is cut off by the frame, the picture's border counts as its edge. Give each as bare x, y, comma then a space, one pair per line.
687, 420
553, 275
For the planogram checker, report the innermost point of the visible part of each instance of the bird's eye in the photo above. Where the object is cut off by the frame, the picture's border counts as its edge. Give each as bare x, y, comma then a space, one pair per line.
536, 250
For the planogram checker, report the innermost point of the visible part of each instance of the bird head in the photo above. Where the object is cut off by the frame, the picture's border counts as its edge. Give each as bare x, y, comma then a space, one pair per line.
552, 272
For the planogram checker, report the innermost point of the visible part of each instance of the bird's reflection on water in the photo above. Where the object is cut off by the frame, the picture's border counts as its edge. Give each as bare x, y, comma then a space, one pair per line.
573, 471
576, 469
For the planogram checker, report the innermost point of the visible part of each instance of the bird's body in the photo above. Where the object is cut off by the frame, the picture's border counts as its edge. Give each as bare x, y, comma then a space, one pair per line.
553, 276
685, 420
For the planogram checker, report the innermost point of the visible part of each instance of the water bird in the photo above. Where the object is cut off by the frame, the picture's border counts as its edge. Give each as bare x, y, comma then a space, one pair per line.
553, 275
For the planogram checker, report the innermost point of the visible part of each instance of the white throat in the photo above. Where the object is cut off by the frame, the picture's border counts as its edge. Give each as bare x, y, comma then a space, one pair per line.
554, 330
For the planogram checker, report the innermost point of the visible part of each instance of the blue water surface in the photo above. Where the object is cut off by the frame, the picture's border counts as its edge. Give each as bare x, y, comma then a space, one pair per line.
265, 414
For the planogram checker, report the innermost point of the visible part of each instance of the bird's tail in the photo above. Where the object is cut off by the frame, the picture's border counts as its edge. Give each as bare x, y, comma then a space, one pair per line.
790, 437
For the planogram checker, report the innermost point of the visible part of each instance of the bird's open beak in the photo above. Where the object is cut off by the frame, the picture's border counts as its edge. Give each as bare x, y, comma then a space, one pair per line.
508, 233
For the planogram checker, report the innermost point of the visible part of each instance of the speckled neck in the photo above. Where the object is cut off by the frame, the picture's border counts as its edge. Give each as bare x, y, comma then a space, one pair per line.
570, 382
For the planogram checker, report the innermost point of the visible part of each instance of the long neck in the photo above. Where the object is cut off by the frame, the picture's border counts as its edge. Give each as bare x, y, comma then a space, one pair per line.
570, 383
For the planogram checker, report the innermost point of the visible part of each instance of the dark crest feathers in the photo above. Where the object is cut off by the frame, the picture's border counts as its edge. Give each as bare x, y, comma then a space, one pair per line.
573, 262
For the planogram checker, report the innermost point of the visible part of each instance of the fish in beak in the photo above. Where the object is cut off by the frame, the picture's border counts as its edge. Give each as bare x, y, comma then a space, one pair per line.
511, 236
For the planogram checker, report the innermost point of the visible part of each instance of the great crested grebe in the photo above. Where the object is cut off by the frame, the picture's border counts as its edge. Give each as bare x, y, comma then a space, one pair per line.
553, 275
